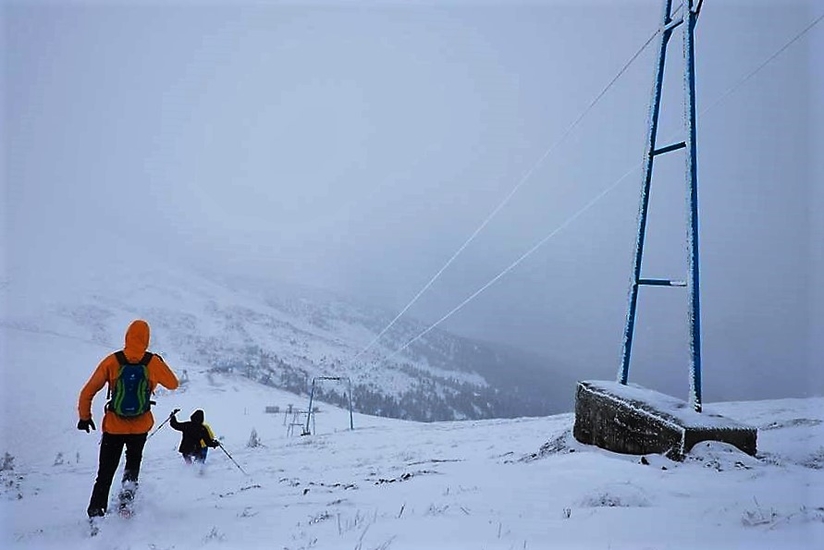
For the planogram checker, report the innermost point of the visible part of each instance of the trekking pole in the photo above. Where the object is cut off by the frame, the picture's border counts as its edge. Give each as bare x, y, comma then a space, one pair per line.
161, 425
219, 444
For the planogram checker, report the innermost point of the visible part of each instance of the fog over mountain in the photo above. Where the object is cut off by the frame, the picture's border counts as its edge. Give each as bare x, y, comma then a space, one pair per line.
355, 147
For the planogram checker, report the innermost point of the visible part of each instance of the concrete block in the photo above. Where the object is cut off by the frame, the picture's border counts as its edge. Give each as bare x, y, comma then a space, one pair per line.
634, 420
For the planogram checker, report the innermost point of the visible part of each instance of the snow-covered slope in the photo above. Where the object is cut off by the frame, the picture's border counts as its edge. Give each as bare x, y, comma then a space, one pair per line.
390, 484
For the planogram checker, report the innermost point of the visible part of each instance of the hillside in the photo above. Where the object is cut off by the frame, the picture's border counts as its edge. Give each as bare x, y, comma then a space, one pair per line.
389, 484
283, 336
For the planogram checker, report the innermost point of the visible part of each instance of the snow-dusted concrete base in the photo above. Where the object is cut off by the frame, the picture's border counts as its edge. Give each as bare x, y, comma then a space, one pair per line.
634, 420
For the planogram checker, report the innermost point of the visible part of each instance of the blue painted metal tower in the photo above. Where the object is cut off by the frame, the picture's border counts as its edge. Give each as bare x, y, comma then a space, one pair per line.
685, 16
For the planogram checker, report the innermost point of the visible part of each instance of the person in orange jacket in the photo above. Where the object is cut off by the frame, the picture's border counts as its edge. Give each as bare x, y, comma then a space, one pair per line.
123, 426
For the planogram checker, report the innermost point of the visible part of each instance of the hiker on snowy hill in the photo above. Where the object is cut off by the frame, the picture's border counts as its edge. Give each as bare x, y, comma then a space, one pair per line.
132, 375
197, 436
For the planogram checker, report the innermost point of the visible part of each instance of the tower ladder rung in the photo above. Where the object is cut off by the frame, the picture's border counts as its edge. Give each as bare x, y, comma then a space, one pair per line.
669, 148
661, 282
672, 24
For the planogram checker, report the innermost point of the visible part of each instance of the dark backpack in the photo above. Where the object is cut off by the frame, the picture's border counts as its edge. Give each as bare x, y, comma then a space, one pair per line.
132, 392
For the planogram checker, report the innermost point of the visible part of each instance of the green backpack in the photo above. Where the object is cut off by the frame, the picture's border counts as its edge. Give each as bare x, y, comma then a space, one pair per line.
131, 395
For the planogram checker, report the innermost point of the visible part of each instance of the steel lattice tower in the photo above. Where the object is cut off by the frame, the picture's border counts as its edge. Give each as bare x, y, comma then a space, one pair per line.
684, 16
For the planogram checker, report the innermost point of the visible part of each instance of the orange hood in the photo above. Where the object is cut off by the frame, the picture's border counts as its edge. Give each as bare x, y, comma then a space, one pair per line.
137, 340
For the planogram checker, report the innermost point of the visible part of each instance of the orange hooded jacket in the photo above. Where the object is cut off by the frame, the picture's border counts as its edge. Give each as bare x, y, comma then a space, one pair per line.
137, 341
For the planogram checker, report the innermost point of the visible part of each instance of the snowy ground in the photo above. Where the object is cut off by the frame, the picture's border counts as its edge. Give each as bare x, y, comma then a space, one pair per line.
506, 484
502, 484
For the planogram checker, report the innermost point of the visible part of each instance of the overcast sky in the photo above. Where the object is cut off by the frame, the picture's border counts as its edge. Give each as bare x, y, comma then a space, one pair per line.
357, 145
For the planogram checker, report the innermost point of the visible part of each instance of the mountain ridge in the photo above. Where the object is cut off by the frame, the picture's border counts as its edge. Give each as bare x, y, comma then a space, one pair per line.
285, 335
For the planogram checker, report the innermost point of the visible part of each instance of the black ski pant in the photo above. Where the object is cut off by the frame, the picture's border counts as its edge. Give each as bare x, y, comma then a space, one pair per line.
111, 447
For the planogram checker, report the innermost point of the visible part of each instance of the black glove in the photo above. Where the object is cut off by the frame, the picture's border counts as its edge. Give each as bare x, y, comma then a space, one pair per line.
214, 444
86, 424
174, 412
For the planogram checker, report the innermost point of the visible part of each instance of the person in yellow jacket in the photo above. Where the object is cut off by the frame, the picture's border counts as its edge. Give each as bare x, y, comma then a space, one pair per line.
132, 375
